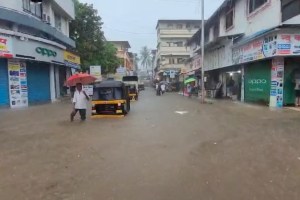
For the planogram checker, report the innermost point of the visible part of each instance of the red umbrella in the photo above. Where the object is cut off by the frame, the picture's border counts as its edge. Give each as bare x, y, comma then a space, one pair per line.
84, 79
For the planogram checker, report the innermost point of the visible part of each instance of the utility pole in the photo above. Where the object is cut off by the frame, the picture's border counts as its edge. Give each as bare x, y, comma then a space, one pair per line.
202, 54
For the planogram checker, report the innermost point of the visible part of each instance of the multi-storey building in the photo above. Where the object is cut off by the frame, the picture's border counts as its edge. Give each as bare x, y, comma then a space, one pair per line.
256, 43
34, 61
123, 54
172, 36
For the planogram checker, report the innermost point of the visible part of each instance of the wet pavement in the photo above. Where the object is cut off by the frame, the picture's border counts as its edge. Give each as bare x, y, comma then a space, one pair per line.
167, 148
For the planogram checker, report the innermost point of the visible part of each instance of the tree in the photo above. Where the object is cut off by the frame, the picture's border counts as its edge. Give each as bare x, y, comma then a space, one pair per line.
109, 60
146, 59
87, 32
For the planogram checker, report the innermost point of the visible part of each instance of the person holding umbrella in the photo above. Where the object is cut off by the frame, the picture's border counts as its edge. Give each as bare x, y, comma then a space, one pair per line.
80, 100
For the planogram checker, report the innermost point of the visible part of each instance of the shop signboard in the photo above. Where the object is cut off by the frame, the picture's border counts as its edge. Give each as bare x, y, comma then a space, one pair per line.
71, 60
288, 44
249, 52
121, 71
18, 90
267, 47
96, 72
89, 89
38, 51
277, 78
5, 47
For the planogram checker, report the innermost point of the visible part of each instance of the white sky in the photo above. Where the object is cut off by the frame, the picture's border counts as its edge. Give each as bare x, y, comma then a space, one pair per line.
135, 20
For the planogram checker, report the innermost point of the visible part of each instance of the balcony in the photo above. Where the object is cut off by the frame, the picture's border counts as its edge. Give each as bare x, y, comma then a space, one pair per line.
165, 33
34, 23
180, 51
66, 6
172, 66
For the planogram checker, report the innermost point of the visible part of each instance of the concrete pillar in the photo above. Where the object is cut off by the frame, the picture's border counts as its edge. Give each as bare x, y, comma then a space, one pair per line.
57, 87
277, 81
243, 83
52, 83
68, 74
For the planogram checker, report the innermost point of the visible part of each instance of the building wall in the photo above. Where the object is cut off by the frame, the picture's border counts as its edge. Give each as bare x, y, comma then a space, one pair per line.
265, 17
67, 6
12, 4
168, 48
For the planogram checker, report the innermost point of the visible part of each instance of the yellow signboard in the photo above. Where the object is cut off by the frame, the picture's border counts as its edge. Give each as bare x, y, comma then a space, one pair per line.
71, 58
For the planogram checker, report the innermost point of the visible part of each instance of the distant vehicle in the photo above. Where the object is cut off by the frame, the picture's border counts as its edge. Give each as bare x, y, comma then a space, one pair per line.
110, 98
141, 86
132, 83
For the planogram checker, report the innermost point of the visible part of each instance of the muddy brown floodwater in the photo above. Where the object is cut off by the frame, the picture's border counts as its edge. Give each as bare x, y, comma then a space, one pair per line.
225, 150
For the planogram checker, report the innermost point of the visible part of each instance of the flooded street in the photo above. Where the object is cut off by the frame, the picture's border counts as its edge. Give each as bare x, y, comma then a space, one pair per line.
168, 147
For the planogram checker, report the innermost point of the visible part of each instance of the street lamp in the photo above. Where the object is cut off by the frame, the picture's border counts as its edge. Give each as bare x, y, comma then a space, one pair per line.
202, 54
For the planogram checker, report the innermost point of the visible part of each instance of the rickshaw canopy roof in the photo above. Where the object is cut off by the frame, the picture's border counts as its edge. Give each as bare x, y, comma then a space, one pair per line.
109, 84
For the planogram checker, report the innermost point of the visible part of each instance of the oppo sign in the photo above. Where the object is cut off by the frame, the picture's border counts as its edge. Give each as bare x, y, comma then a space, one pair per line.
257, 81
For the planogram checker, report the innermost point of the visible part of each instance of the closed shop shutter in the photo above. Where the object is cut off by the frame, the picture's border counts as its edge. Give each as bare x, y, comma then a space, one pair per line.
258, 82
4, 95
38, 78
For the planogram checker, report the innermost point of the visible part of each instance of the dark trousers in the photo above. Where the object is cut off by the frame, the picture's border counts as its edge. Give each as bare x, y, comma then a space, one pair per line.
82, 113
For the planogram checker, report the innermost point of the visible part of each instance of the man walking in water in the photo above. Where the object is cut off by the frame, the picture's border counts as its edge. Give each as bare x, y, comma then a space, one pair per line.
80, 100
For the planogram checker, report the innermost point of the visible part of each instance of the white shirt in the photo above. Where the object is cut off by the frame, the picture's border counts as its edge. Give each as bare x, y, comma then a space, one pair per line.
163, 87
80, 100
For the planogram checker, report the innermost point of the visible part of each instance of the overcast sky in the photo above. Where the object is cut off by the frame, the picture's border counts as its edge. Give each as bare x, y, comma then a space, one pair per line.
135, 20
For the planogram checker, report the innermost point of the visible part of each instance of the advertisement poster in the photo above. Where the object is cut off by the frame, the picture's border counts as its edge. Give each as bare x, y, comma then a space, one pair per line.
89, 89
277, 77
284, 46
5, 47
18, 90
96, 72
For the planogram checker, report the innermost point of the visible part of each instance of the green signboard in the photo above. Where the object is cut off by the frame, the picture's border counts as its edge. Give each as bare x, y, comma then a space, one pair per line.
257, 82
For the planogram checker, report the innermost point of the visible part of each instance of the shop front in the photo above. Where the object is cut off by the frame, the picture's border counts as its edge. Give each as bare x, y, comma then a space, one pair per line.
268, 64
5, 53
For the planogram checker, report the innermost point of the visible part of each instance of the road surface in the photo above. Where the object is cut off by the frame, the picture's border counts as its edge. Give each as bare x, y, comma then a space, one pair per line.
167, 148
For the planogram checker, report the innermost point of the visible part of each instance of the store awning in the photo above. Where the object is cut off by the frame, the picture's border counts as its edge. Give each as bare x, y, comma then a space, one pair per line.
189, 80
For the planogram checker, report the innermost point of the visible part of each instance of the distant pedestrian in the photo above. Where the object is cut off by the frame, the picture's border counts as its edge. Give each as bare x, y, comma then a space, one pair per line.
163, 88
230, 87
157, 89
80, 100
189, 90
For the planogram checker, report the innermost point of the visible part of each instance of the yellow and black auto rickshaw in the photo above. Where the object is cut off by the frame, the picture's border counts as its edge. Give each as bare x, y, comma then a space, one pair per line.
110, 99
132, 83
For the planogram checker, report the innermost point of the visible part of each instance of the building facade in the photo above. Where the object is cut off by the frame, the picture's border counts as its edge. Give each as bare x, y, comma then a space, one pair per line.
255, 43
124, 55
172, 36
35, 60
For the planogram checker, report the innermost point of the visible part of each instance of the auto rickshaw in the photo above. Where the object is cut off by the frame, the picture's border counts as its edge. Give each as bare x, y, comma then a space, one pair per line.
132, 83
110, 99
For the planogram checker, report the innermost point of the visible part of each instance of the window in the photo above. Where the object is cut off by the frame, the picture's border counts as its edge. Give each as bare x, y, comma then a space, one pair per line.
197, 27
255, 4
171, 61
179, 26
229, 19
32, 8
178, 44
179, 60
57, 19
170, 26
188, 26
290, 9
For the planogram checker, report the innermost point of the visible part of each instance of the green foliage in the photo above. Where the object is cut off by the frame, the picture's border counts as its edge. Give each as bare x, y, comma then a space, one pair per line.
145, 57
87, 32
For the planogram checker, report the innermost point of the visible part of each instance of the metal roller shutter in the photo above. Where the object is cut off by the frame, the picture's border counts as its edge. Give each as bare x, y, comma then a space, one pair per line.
4, 95
38, 80
258, 82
